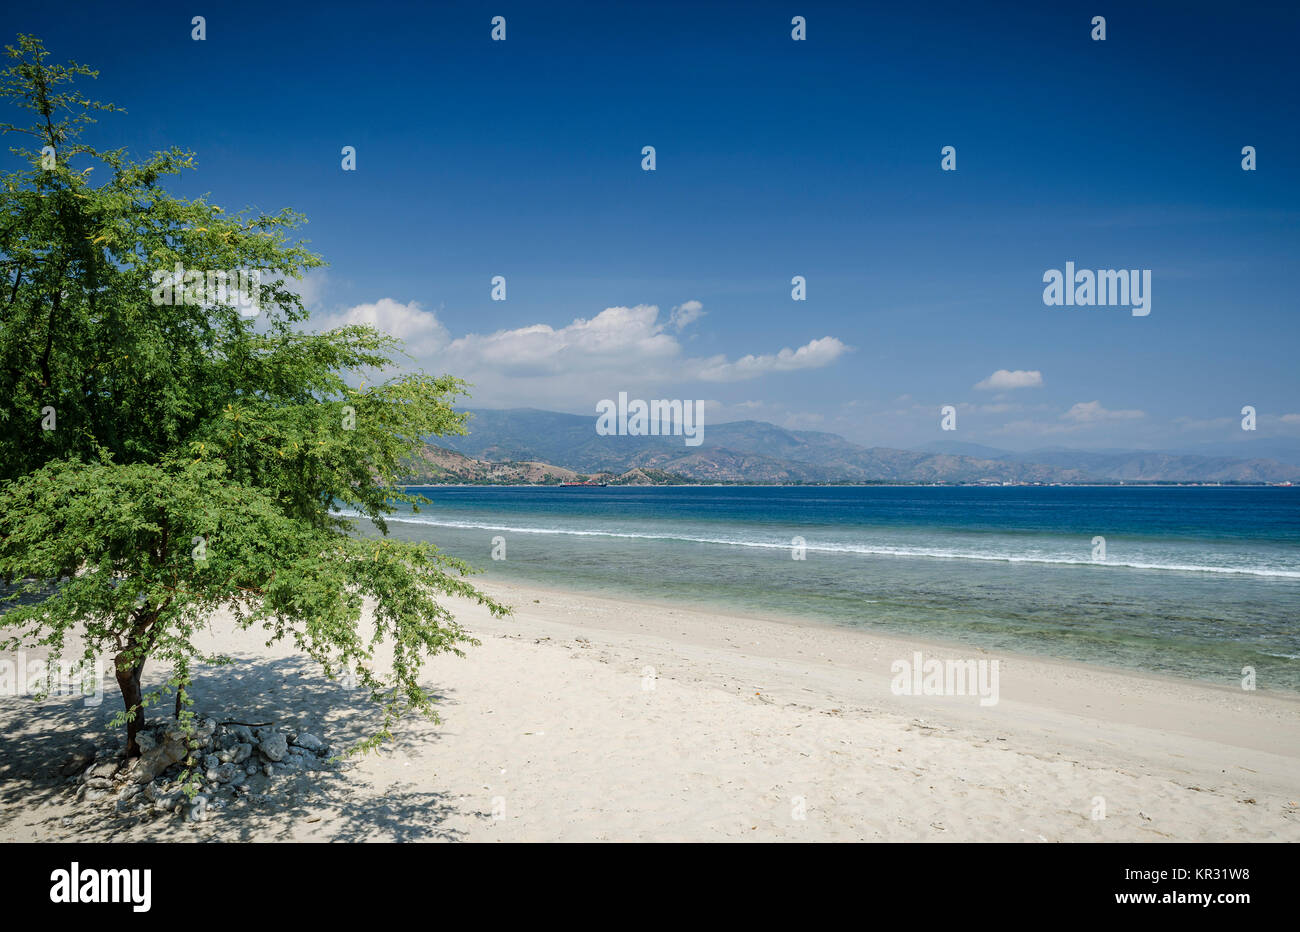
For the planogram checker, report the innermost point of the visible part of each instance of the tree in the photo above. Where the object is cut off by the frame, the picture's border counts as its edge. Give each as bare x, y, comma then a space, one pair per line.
163, 453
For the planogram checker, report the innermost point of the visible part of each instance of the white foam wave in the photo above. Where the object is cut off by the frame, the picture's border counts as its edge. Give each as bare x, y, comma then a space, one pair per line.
861, 549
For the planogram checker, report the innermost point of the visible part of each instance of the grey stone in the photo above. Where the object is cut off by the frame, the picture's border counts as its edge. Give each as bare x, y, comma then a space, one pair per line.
273, 746
103, 770
205, 729
174, 732
310, 742
170, 750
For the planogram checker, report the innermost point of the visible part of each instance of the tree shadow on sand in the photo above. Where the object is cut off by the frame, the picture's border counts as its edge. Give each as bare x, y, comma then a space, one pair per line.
45, 745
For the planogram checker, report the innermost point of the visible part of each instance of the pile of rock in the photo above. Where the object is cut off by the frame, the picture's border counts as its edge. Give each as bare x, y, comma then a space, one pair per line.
232, 760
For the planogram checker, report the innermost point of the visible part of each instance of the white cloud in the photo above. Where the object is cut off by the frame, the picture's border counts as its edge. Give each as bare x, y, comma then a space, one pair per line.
685, 314
619, 349
1006, 379
419, 329
311, 288
616, 336
812, 355
1080, 418
1091, 412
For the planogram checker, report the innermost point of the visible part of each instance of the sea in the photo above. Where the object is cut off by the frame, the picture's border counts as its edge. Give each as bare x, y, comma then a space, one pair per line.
1198, 582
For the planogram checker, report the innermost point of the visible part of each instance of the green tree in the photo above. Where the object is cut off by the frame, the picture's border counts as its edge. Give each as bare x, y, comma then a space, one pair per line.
159, 461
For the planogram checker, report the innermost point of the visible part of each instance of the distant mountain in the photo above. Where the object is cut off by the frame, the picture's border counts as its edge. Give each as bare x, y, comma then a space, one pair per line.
529, 440
1147, 465
740, 451
958, 448
1284, 451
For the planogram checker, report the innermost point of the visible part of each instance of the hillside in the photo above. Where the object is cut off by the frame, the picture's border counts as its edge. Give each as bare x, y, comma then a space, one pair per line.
519, 445
1145, 465
440, 466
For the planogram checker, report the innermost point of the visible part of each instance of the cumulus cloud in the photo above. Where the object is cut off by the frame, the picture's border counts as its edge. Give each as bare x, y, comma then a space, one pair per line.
419, 329
620, 348
617, 336
1007, 379
812, 355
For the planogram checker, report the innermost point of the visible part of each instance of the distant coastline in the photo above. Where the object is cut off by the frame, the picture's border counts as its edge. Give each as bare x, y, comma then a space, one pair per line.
612, 481
531, 447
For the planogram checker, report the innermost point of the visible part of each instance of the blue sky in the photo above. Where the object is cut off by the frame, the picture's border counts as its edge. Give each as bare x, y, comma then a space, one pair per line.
775, 158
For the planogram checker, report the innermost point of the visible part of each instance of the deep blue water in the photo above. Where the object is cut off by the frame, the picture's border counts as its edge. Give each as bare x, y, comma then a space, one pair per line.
1193, 581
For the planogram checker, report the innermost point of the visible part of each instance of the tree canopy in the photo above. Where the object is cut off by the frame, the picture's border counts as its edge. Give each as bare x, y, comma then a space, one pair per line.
161, 459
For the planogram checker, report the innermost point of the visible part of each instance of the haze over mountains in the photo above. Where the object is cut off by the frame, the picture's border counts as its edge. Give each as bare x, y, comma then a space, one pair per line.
565, 445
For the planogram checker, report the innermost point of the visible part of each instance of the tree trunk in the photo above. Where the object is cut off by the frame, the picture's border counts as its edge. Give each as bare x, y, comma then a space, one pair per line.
128, 680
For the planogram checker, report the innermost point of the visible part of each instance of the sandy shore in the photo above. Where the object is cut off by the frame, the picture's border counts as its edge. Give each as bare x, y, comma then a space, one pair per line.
583, 718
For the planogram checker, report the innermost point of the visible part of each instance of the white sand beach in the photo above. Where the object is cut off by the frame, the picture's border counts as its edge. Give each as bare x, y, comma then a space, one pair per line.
592, 719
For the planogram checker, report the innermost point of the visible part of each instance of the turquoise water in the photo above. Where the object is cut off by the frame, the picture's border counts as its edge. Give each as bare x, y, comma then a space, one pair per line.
1196, 582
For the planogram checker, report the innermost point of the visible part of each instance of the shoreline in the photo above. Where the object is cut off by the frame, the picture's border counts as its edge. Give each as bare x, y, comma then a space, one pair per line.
902, 640
589, 718
862, 485
1107, 691
906, 642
